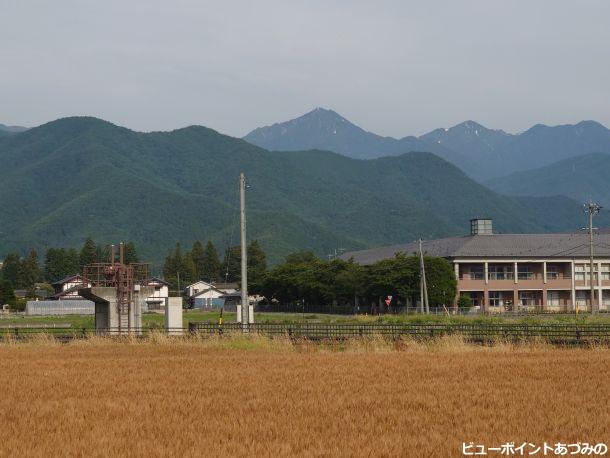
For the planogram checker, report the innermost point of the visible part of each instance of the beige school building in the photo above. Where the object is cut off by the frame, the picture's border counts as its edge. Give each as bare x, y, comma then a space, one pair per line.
518, 272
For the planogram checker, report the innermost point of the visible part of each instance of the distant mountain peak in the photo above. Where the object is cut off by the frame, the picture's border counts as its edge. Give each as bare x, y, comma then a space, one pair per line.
321, 113
469, 125
12, 129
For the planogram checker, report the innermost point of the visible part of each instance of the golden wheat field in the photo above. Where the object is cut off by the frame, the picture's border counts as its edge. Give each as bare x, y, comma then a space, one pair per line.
254, 397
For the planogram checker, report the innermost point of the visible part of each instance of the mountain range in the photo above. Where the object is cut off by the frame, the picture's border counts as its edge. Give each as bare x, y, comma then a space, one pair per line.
481, 152
79, 177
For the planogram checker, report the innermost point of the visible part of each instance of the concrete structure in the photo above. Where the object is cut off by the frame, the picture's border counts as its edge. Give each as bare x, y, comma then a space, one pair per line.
107, 316
173, 316
513, 272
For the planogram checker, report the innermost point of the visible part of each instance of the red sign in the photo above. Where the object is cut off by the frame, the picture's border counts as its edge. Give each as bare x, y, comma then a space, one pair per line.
388, 301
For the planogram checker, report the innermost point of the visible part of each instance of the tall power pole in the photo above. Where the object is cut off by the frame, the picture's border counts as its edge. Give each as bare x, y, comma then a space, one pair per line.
245, 309
592, 209
425, 308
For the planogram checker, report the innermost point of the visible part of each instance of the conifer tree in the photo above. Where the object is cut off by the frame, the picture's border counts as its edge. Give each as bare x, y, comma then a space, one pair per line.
211, 263
88, 253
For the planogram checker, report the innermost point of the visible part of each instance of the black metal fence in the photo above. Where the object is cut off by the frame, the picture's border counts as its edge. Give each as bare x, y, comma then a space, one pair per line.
568, 333
472, 331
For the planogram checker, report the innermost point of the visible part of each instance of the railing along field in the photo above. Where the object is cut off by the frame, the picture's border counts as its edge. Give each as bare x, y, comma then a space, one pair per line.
568, 333
560, 333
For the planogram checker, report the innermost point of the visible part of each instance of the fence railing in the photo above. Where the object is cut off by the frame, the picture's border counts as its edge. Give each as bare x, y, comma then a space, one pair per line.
471, 331
482, 332
69, 333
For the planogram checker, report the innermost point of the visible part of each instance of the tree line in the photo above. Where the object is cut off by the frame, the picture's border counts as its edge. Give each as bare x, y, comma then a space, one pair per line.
304, 278
203, 263
26, 273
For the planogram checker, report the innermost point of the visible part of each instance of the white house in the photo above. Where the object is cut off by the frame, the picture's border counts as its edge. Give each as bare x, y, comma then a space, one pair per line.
67, 288
208, 295
196, 287
158, 300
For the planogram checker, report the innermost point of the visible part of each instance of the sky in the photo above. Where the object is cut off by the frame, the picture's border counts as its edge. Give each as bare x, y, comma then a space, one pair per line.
393, 67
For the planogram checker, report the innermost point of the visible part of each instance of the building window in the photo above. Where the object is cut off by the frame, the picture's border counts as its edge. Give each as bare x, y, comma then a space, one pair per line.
582, 271
526, 297
475, 298
500, 272
525, 272
553, 298
477, 272
552, 272
579, 272
498, 299
582, 297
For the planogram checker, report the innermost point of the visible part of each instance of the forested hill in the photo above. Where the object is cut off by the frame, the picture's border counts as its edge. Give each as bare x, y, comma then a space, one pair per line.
79, 177
581, 178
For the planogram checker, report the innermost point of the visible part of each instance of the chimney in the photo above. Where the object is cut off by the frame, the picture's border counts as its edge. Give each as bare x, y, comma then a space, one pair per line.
481, 226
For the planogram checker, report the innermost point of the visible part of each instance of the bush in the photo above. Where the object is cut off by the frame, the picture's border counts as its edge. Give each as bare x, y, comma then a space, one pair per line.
18, 305
464, 302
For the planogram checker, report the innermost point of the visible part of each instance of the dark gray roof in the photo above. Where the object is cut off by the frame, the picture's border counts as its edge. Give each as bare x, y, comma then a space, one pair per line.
68, 279
159, 280
496, 245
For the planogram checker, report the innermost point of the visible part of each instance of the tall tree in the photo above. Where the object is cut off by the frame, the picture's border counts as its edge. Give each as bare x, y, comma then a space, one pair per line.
187, 269
231, 266
211, 269
30, 270
7, 293
179, 268
12, 270
441, 281
60, 263
71, 261
173, 261
131, 255
103, 253
52, 265
257, 267
198, 256
88, 253
300, 256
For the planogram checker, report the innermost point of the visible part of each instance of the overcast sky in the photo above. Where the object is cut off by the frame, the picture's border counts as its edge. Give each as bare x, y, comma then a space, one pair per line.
393, 67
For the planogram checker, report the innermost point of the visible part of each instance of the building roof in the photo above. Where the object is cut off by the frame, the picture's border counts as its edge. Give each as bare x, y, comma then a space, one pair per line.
196, 283
159, 280
568, 245
68, 279
225, 285
67, 292
207, 290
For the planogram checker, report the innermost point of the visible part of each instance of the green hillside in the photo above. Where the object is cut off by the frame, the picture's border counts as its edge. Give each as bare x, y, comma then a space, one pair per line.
79, 177
581, 178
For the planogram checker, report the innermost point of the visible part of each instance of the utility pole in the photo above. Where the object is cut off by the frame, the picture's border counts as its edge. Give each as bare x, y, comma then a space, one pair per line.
592, 209
245, 309
425, 308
